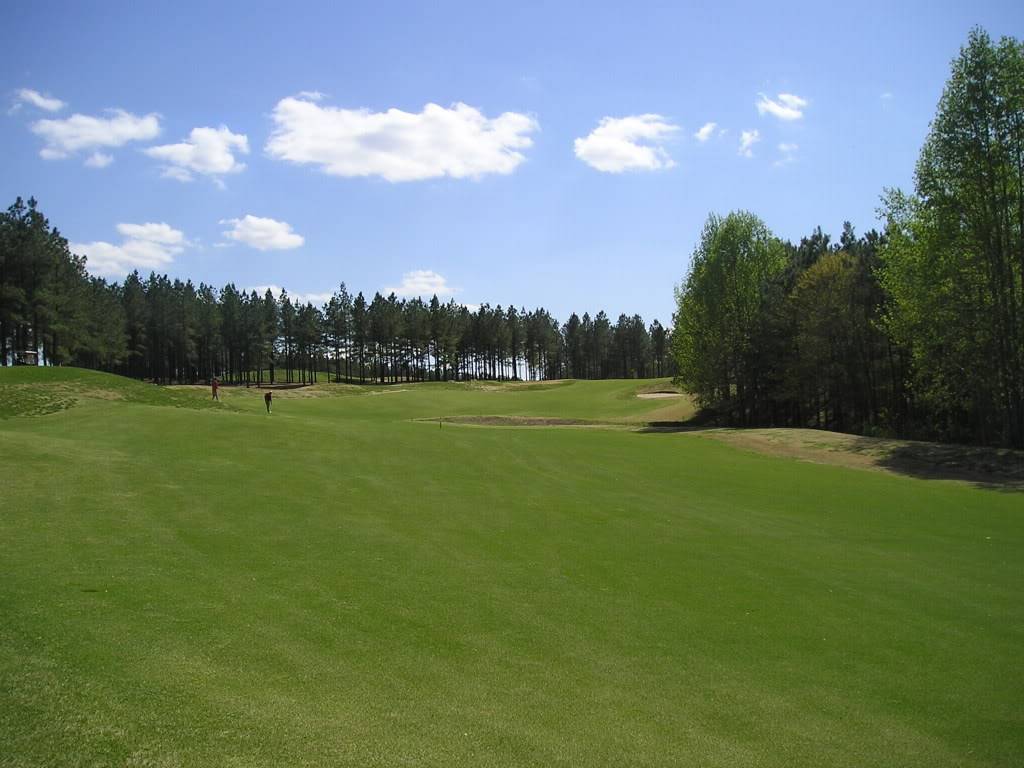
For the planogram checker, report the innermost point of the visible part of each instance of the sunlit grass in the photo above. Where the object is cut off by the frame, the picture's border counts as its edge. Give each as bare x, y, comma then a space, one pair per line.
341, 583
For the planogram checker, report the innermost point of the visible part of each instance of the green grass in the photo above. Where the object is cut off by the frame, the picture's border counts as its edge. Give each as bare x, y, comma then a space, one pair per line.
341, 584
27, 391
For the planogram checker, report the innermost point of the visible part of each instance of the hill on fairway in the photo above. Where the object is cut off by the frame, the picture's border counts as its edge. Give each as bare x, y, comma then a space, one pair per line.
354, 580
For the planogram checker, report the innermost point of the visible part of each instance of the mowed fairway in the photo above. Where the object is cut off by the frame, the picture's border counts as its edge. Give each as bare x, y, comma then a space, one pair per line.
341, 584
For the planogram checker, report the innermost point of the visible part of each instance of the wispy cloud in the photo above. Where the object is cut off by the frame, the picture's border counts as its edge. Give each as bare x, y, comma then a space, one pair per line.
747, 141
627, 144
85, 132
36, 99
705, 132
787, 154
786, 106
99, 160
459, 141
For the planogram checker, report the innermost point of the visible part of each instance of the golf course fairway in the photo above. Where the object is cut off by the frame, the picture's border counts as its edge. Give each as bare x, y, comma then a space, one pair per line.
356, 580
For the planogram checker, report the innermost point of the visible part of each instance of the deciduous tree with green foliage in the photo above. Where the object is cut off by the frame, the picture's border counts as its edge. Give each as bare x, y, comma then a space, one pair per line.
954, 261
721, 311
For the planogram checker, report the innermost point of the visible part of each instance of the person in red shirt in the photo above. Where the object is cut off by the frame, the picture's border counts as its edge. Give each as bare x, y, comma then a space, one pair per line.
215, 384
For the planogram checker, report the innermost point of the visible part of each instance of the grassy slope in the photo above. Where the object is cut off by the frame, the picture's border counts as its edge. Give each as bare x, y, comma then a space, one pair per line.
338, 584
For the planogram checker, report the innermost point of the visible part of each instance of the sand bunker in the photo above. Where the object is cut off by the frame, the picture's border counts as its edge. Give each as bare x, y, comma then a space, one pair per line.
658, 395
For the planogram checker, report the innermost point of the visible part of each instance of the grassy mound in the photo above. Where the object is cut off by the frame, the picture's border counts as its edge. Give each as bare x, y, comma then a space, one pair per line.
37, 391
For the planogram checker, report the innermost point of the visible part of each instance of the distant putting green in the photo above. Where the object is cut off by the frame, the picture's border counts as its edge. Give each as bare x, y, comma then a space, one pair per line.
354, 581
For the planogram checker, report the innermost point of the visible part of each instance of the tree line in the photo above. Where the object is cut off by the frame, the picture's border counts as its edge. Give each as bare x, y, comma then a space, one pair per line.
916, 331
172, 330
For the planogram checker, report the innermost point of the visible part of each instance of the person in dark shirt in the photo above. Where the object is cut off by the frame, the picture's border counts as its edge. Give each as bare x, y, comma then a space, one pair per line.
268, 400
215, 385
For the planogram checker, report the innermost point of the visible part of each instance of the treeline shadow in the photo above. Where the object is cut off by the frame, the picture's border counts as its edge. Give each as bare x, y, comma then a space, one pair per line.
663, 427
998, 469
701, 420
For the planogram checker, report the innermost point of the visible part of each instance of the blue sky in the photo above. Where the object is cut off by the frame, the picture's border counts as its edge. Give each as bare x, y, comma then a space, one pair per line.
510, 198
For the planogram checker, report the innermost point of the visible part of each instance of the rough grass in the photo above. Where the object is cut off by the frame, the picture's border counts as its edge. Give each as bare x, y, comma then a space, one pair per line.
997, 467
30, 391
341, 584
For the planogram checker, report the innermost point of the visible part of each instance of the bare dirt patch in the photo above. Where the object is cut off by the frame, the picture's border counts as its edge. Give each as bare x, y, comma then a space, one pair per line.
659, 395
992, 467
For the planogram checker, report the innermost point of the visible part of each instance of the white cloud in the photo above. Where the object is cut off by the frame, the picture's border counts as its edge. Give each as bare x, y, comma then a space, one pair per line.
615, 145
99, 160
208, 151
262, 289
36, 99
788, 154
785, 106
399, 146
887, 96
154, 233
263, 234
147, 246
174, 172
422, 282
84, 132
316, 299
747, 141
705, 132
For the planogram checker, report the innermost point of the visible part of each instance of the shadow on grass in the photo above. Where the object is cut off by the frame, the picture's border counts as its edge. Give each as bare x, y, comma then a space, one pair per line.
662, 427
700, 421
1000, 469
993, 468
